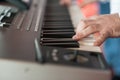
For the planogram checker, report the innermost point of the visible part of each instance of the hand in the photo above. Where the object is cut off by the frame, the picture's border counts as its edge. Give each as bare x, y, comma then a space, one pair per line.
105, 25
65, 2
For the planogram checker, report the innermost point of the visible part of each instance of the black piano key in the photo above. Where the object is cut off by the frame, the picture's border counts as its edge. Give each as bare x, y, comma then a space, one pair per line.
67, 22
47, 38
56, 15
57, 24
52, 2
55, 6
58, 34
56, 9
58, 30
62, 39
57, 27
65, 45
58, 40
48, 17
57, 12
56, 19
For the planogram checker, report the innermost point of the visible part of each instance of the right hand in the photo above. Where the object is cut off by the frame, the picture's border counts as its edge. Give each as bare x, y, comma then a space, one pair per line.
65, 2
105, 25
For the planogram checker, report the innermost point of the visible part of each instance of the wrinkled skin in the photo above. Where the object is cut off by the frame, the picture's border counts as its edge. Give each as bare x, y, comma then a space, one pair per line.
105, 26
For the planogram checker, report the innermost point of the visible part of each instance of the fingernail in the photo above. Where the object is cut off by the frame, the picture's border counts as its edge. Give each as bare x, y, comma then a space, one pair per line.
74, 37
61, 2
80, 35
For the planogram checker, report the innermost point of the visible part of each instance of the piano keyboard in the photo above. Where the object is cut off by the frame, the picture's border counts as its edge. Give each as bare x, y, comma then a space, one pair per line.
54, 26
59, 26
57, 29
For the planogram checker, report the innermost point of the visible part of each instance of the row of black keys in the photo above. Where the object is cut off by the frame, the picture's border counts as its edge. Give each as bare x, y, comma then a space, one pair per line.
57, 27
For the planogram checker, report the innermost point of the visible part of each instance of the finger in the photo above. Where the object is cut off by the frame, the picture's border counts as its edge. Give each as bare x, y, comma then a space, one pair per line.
96, 35
77, 37
84, 24
101, 38
90, 30
61, 2
65, 2
86, 32
88, 22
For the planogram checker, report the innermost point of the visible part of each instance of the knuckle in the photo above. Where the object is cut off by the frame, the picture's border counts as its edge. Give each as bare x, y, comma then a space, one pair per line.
104, 36
94, 27
100, 40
